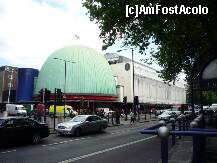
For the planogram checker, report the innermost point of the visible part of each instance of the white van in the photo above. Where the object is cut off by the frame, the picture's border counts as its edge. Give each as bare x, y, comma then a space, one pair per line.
14, 109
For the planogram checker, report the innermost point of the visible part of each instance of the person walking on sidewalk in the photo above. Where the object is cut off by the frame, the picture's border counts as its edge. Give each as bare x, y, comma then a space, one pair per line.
132, 117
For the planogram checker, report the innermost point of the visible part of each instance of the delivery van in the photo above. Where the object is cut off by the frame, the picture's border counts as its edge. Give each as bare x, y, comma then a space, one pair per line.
14, 109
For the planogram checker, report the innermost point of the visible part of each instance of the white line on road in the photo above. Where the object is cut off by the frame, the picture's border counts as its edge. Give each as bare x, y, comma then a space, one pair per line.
105, 150
127, 130
66, 141
9, 151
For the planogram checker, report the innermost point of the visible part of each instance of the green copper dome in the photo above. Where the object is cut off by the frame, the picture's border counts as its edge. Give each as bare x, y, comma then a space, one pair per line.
87, 72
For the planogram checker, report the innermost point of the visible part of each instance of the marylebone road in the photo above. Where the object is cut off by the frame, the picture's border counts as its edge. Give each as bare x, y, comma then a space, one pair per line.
119, 144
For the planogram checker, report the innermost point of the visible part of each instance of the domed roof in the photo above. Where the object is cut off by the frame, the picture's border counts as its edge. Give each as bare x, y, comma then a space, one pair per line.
87, 72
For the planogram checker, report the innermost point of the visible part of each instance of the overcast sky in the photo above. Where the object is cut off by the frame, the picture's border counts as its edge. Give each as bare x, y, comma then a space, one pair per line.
31, 30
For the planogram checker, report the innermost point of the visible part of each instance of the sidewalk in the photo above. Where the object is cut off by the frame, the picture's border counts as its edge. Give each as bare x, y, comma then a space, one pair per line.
181, 152
142, 119
211, 150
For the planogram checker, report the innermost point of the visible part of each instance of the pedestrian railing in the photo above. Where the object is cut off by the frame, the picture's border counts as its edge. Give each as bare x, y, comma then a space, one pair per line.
183, 126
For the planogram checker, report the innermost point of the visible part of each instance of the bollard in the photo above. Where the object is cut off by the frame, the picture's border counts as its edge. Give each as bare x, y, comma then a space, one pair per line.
163, 133
162, 122
179, 123
193, 124
183, 123
215, 117
187, 122
196, 159
198, 121
108, 117
196, 152
173, 128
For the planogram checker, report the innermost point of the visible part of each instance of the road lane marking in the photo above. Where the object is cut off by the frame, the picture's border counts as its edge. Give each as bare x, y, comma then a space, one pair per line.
126, 130
9, 151
105, 150
66, 141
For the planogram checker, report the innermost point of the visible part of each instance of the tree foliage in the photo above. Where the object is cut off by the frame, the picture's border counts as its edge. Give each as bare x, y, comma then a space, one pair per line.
209, 97
180, 38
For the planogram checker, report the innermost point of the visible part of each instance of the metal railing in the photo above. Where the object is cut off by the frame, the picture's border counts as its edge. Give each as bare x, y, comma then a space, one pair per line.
186, 127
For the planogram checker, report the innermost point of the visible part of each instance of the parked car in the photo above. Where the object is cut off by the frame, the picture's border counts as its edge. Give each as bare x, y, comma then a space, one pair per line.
189, 111
175, 111
82, 124
19, 129
166, 115
158, 112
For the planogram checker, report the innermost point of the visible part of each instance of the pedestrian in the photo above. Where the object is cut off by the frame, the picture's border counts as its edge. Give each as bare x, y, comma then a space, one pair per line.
40, 109
132, 117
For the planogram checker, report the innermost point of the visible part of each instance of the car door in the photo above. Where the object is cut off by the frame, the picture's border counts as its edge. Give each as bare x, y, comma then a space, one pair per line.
99, 123
95, 124
19, 130
6, 132
90, 124
9, 131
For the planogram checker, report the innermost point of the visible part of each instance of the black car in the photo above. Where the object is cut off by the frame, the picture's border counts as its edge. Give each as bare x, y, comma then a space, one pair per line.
20, 129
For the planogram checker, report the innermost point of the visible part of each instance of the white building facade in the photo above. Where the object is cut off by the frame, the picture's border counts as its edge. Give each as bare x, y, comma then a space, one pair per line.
147, 85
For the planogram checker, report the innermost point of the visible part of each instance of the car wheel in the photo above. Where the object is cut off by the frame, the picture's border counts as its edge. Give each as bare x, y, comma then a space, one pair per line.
36, 138
77, 132
101, 128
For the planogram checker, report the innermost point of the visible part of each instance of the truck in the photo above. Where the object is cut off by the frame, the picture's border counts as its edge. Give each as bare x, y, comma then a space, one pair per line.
14, 109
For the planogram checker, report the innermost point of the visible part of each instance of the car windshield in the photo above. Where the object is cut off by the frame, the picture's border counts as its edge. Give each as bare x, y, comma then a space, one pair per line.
79, 118
1, 121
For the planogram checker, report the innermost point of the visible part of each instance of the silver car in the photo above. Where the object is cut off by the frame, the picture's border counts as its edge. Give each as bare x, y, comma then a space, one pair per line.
166, 115
82, 124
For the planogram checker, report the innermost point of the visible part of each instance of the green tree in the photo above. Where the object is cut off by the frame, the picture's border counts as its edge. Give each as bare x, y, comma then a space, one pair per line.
180, 38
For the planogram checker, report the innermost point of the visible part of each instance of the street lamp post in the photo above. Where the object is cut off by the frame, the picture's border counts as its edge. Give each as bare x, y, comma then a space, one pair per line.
132, 50
9, 90
65, 68
134, 107
133, 74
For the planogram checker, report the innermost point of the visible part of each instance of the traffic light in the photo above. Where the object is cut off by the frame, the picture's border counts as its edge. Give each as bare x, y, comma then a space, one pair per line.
136, 100
125, 100
82, 102
47, 95
41, 95
59, 96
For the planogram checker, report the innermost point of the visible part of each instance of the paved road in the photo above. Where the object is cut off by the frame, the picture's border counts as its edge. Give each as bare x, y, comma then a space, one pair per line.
117, 144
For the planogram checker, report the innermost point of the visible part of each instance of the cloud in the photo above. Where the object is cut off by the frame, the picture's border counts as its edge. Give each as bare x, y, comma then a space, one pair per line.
33, 29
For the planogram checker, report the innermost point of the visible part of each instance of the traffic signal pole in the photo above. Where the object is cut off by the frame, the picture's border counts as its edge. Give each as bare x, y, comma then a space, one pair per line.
54, 114
125, 107
43, 102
